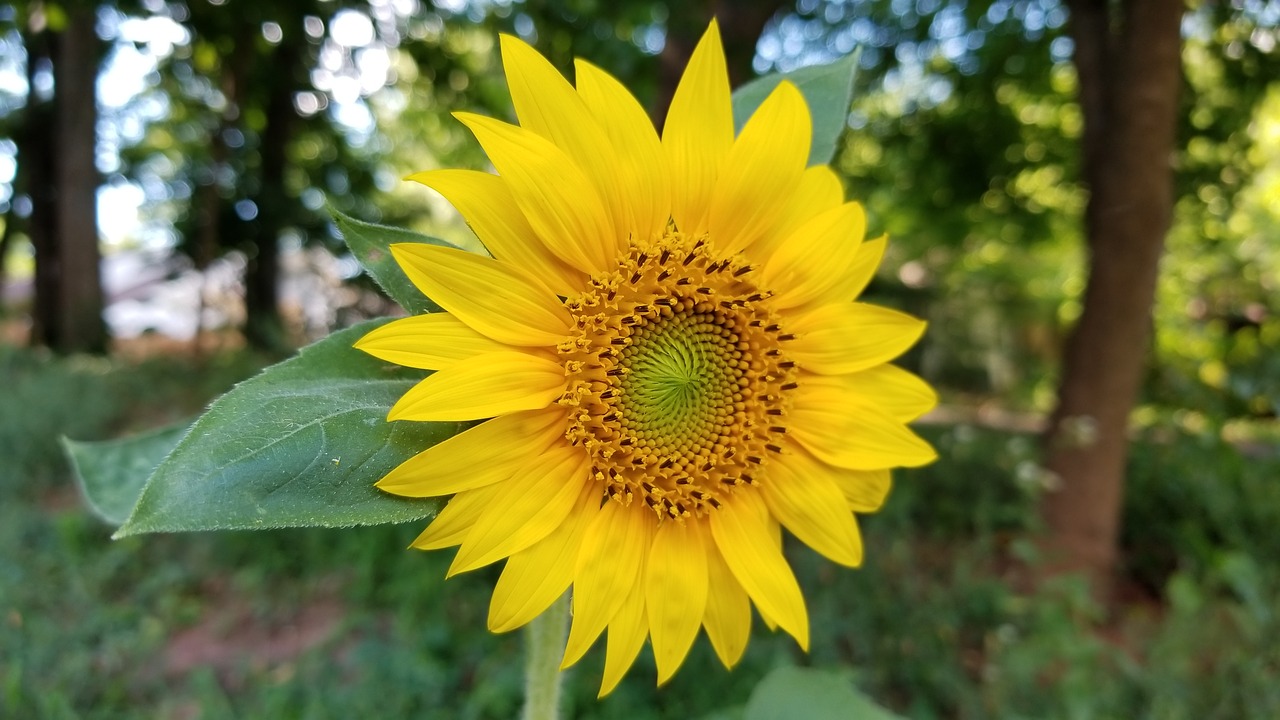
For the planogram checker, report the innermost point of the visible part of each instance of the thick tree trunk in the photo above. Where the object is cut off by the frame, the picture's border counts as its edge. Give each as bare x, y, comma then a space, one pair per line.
57, 150
1128, 61
80, 326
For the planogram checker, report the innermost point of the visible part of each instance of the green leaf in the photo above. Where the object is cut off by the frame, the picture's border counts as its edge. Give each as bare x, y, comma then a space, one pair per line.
791, 692
827, 88
111, 473
729, 713
299, 445
371, 246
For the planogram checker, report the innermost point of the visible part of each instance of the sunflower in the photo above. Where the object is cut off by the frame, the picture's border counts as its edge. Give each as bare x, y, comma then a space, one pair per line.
668, 359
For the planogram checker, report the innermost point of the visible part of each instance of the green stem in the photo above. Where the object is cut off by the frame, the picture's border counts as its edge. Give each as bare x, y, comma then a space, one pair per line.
544, 650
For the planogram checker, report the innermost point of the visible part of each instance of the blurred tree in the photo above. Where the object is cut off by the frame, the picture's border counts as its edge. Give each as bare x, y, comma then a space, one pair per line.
56, 141
250, 147
10, 126
228, 137
263, 78
1129, 63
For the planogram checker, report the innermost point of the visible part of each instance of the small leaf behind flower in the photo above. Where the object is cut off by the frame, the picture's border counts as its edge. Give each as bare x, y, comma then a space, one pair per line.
371, 246
791, 692
828, 89
300, 445
111, 473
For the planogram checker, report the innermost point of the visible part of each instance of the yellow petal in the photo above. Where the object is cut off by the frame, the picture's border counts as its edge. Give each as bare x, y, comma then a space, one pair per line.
864, 490
775, 533
627, 632
888, 388
613, 551
487, 386
485, 454
643, 178
870, 253
676, 592
428, 342
453, 523
698, 132
749, 549
814, 263
549, 488
809, 503
728, 615
492, 297
819, 190
764, 165
848, 337
560, 202
860, 438
536, 576
487, 205
547, 104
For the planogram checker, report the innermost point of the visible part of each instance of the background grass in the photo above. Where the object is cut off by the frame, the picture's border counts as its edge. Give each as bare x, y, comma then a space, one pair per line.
340, 624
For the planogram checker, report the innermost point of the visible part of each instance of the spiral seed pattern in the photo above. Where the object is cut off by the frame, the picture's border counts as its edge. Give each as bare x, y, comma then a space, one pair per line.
679, 379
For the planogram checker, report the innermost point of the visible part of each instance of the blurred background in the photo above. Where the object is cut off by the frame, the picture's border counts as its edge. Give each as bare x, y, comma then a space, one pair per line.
164, 174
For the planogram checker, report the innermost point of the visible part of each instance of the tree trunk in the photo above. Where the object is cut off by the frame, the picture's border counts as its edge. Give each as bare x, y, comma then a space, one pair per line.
56, 156
79, 305
264, 327
36, 174
1128, 58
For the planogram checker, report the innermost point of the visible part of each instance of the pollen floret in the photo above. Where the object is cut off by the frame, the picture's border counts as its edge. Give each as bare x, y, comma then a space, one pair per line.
678, 377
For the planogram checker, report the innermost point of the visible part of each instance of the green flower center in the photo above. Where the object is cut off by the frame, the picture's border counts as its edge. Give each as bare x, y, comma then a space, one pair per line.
683, 376
678, 380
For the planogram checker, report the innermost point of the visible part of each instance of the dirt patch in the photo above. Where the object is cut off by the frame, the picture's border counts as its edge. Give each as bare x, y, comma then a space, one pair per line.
232, 637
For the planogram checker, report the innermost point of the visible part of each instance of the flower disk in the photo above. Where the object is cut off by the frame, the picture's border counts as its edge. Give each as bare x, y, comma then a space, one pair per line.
668, 358
677, 377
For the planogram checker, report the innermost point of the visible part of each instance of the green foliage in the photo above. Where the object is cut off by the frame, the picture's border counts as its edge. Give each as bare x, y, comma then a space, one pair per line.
299, 445
371, 246
40, 403
992, 476
824, 695
618, 37
90, 398
112, 473
1196, 500
1219, 335
1223, 632
828, 89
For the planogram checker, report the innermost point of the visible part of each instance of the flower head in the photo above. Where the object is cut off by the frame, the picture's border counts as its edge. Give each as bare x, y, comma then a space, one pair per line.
668, 357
